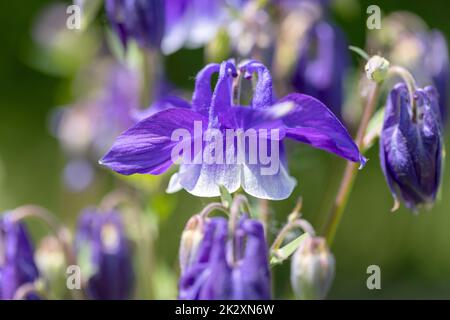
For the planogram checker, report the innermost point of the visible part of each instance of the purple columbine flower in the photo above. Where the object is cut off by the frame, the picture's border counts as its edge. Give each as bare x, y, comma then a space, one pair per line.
148, 146
102, 249
411, 146
17, 265
140, 20
321, 66
438, 66
228, 268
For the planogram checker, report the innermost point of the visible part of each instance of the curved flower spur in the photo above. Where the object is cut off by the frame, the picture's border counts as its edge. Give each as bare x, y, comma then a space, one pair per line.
148, 146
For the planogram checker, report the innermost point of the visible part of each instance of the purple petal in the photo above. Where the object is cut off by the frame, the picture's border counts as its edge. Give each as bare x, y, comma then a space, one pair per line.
164, 103
263, 95
146, 147
277, 186
201, 99
313, 123
222, 97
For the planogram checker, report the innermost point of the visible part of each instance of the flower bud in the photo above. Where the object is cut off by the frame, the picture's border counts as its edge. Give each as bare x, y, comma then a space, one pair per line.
104, 257
190, 241
17, 266
312, 269
411, 146
228, 268
51, 262
377, 68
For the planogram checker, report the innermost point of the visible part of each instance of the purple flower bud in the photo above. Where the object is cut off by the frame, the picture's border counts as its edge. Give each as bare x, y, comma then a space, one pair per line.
104, 257
228, 268
140, 20
312, 269
17, 265
322, 61
411, 146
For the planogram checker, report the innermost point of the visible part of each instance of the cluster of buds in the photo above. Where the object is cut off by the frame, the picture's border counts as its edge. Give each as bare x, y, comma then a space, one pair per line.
103, 252
225, 261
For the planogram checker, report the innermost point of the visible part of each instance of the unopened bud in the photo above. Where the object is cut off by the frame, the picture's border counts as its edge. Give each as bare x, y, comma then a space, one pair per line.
190, 241
50, 257
51, 262
377, 68
312, 269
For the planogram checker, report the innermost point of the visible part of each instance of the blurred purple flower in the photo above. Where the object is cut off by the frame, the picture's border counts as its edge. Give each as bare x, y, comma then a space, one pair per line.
78, 175
17, 265
140, 20
227, 268
102, 244
411, 148
438, 65
91, 125
113, 112
169, 24
146, 147
321, 65
191, 23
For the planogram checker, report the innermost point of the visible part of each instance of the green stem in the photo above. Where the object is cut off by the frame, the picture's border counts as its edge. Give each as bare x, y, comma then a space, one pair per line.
212, 207
151, 71
410, 84
300, 223
351, 170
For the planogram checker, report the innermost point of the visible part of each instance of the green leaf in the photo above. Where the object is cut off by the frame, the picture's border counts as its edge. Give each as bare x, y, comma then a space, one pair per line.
359, 51
225, 197
285, 252
89, 9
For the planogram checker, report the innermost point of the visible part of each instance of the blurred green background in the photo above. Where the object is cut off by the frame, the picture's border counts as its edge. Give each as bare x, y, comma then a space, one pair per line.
413, 252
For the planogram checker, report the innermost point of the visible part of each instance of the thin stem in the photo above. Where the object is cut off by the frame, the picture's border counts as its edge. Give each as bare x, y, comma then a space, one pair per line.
300, 223
351, 170
151, 71
235, 210
26, 289
232, 222
113, 200
61, 232
212, 207
410, 84
264, 214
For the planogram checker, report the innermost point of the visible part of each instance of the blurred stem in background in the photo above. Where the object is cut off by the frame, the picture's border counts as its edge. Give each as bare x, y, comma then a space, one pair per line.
351, 170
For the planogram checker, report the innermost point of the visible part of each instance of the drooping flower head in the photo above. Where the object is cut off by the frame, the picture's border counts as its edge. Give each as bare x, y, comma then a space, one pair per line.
411, 146
223, 143
140, 20
104, 256
406, 40
17, 265
228, 267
